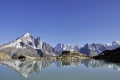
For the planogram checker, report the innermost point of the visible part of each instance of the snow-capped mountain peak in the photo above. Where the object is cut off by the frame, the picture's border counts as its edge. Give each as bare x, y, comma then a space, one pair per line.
67, 47
115, 42
28, 41
95, 49
28, 35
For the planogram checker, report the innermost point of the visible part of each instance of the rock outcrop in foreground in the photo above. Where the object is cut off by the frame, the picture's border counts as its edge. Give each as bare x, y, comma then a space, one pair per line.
69, 56
73, 55
4, 56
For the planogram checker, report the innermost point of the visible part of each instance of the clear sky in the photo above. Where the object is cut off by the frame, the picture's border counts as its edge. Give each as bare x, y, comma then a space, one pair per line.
61, 21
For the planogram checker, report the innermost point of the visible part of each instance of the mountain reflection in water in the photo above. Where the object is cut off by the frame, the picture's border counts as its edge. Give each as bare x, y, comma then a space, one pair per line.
26, 68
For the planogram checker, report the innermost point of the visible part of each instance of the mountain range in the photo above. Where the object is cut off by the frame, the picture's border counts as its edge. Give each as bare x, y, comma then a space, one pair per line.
95, 49
88, 49
27, 44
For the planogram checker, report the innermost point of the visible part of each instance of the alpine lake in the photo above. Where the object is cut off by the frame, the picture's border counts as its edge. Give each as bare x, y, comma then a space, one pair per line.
86, 69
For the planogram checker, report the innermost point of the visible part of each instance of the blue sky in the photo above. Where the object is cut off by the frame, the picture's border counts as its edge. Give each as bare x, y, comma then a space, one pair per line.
61, 21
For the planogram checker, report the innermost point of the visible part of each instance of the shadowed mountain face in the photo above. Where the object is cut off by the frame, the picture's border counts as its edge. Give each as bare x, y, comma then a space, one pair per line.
16, 51
28, 67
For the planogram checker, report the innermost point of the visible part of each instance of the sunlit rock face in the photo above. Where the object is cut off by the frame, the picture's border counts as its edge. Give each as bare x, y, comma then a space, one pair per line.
66, 47
96, 48
27, 44
89, 49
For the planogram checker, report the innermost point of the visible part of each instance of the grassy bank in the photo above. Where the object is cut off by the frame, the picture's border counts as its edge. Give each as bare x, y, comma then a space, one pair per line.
4, 56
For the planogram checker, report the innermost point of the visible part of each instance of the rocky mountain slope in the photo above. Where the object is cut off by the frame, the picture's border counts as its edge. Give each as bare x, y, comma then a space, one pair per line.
95, 49
67, 47
88, 49
27, 44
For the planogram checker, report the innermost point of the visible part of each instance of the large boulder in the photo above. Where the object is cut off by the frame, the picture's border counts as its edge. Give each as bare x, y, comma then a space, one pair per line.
68, 55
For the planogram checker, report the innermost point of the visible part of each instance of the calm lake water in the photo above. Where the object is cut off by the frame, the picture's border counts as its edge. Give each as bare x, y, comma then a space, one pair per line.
59, 70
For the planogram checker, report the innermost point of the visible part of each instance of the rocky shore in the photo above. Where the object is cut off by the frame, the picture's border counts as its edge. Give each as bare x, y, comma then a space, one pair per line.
66, 55
107, 55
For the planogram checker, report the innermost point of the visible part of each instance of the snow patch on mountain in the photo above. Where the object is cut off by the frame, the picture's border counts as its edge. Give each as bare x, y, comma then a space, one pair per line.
95, 49
67, 47
22, 42
28, 41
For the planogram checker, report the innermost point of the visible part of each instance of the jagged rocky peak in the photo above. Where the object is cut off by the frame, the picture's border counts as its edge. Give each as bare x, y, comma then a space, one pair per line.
38, 39
27, 36
86, 45
67, 47
27, 41
95, 49
38, 43
114, 42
